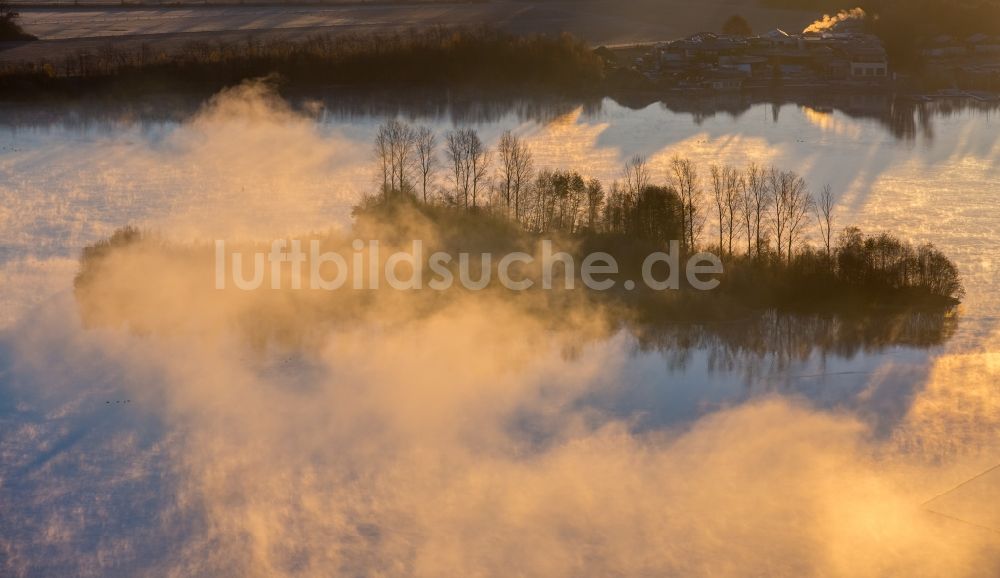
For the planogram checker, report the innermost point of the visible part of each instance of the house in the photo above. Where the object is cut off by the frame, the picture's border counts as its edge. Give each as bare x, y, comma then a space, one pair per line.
673, 55
746, 65
869, 70
723, 80
868, 61
703, 47
711, 61
779, 38
942, 46
836, 68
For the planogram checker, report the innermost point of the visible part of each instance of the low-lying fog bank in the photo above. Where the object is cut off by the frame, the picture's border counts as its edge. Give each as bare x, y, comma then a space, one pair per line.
470, 435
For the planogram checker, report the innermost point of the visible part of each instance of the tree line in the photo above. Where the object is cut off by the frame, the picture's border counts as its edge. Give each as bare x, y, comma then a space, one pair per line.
10, 26
760, 214
481, 57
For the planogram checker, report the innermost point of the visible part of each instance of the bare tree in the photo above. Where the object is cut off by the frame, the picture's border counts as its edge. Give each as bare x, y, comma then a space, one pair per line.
688, 186
778, 188
755, 201
516, 168
746, 212
395, 142
470, 161
506, 155
616, 206
635, 176
824, 216
571, 202
479, 164
791, 202
383, 156
545, 190
800, 204
595, 202
559, 197
731, 180
426, 158
457, 152
719, 194
726, 191
405, 140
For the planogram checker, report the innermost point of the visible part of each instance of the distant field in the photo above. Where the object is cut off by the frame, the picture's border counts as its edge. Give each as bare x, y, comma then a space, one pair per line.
65, 30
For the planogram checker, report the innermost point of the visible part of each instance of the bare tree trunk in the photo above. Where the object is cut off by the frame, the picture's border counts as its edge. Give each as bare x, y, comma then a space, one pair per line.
635, 176
800, 203
759, 199
824, 216
719, 193
516, 166
688, 187
395, 142
778, 185
426, 157
732, 182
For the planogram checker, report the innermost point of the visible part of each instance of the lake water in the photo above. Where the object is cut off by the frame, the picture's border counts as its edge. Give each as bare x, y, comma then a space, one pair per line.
118, 493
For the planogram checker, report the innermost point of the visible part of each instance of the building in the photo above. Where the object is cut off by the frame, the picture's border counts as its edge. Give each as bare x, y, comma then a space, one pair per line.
723, 80
725, 63
868, 61
942, 46
778, 38
747, 65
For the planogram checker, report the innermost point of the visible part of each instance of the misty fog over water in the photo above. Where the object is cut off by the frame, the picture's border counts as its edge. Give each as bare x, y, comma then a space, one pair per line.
478, 440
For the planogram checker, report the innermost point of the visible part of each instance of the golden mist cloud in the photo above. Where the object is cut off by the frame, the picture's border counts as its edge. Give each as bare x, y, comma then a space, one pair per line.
405, 435
827, 21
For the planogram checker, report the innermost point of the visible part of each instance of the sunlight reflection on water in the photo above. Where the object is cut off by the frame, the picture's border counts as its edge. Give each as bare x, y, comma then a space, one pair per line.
933, 414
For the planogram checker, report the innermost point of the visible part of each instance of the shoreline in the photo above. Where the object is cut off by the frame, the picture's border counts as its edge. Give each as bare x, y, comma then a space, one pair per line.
68, 89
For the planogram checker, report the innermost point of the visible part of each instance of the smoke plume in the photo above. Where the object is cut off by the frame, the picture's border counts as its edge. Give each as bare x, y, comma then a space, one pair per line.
828, 22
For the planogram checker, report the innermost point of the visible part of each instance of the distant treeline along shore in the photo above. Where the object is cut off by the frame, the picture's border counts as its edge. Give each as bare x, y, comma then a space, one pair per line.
920, 38
479, 57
